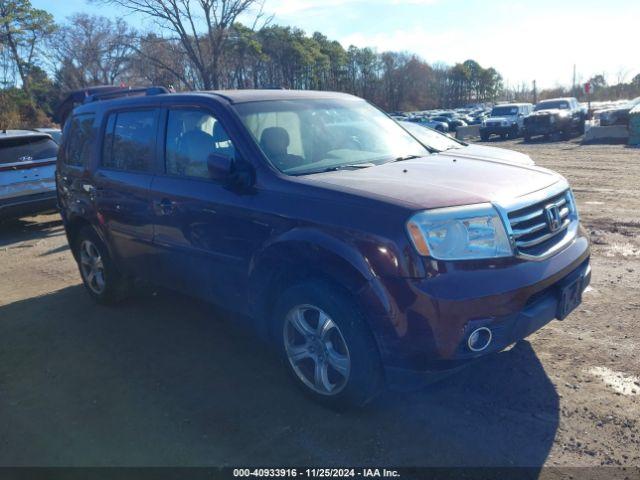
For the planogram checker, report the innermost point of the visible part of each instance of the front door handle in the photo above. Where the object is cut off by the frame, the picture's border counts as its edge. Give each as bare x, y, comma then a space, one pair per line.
165, 206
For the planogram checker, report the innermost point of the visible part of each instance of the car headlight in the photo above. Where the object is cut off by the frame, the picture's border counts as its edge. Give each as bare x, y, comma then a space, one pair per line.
459, 233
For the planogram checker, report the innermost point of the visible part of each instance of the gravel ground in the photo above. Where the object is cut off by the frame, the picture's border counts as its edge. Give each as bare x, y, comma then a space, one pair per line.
166, 380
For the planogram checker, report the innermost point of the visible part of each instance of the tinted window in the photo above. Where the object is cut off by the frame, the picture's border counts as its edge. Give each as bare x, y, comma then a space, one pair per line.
80, 140
129, 141
26, 149
504, 111
193, 135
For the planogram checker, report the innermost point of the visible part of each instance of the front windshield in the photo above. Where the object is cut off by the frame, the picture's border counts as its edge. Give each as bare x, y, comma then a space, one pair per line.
561, 104
314, 135
504, 111
431, 138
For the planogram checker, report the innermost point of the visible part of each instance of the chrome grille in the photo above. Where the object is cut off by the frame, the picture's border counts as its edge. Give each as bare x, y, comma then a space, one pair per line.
538, 228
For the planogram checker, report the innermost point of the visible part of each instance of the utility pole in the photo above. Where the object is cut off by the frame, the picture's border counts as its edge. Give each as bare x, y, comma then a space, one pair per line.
535, 93
573, 84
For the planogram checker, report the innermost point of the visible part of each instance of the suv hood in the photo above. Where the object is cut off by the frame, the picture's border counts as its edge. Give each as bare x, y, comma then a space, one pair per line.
438, 181
490, 154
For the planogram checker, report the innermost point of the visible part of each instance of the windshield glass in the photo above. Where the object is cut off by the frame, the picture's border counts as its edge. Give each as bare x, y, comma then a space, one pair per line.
561, 104
504, 111
309, 135
431, 138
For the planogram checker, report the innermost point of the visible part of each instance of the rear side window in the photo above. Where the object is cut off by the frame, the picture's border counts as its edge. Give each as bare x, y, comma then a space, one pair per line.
80, 140
130, 139
27, 149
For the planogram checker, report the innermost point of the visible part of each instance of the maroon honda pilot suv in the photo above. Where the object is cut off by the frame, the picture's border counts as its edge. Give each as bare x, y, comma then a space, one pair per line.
366, 256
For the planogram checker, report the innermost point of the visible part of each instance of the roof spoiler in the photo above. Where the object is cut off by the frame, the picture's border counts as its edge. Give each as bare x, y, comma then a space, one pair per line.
93, 94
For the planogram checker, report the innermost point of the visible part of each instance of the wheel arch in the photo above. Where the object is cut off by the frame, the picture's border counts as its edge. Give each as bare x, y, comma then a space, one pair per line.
299, 255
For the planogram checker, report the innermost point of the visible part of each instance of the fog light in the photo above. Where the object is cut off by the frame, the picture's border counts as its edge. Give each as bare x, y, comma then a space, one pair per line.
479, 339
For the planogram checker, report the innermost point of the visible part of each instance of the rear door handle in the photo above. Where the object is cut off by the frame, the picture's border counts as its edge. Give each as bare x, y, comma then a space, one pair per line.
165, 206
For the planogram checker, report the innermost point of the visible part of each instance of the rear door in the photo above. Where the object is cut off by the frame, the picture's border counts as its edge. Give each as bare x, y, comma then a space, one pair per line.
27, 167
121, 186
75, 193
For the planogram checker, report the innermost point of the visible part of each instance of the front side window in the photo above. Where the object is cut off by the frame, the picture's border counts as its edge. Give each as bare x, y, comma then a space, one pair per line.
81, 137
192, 136
129, 141
306, 136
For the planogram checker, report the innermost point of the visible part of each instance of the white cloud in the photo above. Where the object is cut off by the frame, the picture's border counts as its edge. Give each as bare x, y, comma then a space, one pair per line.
525, 48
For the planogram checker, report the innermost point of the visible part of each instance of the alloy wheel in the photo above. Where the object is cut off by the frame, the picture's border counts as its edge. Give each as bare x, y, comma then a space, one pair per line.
92, 267
316, 350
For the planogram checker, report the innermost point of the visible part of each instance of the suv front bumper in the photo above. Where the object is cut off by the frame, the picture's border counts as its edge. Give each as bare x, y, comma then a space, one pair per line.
426, 334
497, 129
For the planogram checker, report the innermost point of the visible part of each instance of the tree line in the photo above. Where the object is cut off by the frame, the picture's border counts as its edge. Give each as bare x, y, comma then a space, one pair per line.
204, 45
207, 45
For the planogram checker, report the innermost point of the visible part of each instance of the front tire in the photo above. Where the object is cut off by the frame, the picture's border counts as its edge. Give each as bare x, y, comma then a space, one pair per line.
326, 345
100, 277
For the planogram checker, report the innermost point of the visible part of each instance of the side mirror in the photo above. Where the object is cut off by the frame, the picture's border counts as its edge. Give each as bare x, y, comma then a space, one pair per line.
219, 166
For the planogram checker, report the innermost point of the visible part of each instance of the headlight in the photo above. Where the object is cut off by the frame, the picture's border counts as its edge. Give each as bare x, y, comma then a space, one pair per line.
459, 233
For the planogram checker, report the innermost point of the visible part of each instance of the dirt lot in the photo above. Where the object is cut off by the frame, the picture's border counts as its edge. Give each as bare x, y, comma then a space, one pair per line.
165, 380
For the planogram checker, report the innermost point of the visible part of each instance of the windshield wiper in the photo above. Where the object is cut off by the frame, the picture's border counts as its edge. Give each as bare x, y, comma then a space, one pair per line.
349, 165
406, 157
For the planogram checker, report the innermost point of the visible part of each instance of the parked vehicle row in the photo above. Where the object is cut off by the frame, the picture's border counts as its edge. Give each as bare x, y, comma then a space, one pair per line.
367, 254
564, 116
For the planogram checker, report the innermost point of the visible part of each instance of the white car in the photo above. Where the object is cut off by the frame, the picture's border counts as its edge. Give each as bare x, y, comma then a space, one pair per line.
451, 147
505, 120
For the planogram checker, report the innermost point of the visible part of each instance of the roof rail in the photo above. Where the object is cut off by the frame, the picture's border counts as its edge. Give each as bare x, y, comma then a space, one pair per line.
125, 92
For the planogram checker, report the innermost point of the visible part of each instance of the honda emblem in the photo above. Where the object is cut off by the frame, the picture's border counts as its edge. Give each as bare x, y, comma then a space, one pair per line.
552, 216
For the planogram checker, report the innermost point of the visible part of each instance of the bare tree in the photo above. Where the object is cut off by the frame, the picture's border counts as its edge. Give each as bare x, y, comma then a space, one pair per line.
202, 27
92, 50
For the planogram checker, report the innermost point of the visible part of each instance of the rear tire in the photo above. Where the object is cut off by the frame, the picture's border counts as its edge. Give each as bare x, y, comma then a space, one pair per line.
100, 277
326, 345
527, 137
484, 137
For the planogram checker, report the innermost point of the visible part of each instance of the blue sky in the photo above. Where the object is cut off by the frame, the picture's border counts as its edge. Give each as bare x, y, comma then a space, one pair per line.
524, 40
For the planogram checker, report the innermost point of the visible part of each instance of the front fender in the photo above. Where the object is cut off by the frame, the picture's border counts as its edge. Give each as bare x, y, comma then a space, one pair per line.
306, 252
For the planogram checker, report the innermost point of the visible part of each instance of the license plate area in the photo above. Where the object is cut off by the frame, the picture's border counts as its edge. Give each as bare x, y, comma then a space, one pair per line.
570, 297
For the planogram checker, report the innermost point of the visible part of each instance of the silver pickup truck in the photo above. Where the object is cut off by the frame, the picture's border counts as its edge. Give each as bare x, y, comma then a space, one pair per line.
27, 173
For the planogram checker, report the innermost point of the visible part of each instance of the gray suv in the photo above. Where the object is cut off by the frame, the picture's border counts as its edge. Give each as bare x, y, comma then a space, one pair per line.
27, 173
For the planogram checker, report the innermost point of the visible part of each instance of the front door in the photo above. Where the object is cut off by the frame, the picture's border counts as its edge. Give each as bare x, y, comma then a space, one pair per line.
204, 231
